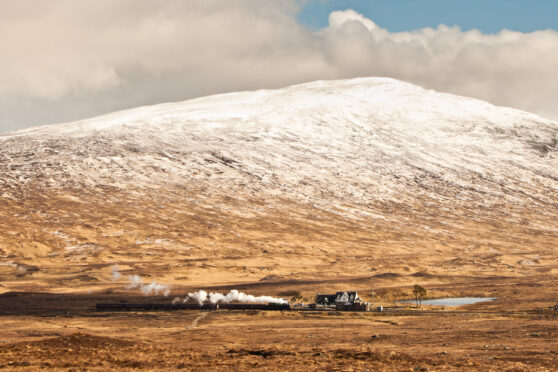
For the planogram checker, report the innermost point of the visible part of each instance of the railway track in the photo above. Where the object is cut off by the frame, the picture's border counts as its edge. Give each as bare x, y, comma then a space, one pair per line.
118, 307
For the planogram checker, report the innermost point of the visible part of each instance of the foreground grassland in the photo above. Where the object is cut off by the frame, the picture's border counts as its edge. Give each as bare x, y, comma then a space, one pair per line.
64, 332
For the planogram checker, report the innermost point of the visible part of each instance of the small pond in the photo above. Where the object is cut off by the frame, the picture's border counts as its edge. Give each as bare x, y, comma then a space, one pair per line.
456, 301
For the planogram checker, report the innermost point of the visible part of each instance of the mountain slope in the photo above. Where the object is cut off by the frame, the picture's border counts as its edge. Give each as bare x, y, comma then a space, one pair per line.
325, 172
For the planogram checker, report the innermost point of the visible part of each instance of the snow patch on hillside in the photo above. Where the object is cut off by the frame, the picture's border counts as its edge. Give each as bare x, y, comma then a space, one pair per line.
339, 145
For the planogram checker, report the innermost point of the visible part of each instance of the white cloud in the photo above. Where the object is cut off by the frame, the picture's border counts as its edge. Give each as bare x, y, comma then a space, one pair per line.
66, 59
339, 18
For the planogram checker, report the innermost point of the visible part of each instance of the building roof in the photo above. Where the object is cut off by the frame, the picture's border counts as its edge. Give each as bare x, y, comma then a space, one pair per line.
326, 299
342, 297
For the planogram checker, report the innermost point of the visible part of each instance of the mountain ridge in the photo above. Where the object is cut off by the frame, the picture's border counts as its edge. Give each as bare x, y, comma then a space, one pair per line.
330, 171
243, 96
376, 129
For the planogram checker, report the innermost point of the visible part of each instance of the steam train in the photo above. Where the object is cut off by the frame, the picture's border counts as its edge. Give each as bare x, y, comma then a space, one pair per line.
189, 306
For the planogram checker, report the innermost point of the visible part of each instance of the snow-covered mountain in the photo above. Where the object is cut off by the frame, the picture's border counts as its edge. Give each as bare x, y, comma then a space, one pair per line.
365, 151
355, 141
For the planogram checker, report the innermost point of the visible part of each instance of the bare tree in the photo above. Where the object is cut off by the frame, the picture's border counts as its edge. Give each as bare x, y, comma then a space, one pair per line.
297, 296
419, 293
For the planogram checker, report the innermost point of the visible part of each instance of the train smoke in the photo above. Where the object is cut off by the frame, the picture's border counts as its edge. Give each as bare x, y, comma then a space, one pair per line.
155, 288
233, 296
115, 273
200, 297
136, 282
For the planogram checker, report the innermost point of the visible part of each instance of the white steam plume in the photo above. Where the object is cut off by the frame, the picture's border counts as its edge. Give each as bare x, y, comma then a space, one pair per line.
233, 296
115, 273
155, 288
136, 283
200, 297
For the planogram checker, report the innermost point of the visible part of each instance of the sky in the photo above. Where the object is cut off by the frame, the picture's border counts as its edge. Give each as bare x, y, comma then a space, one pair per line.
64, 60
489, 16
